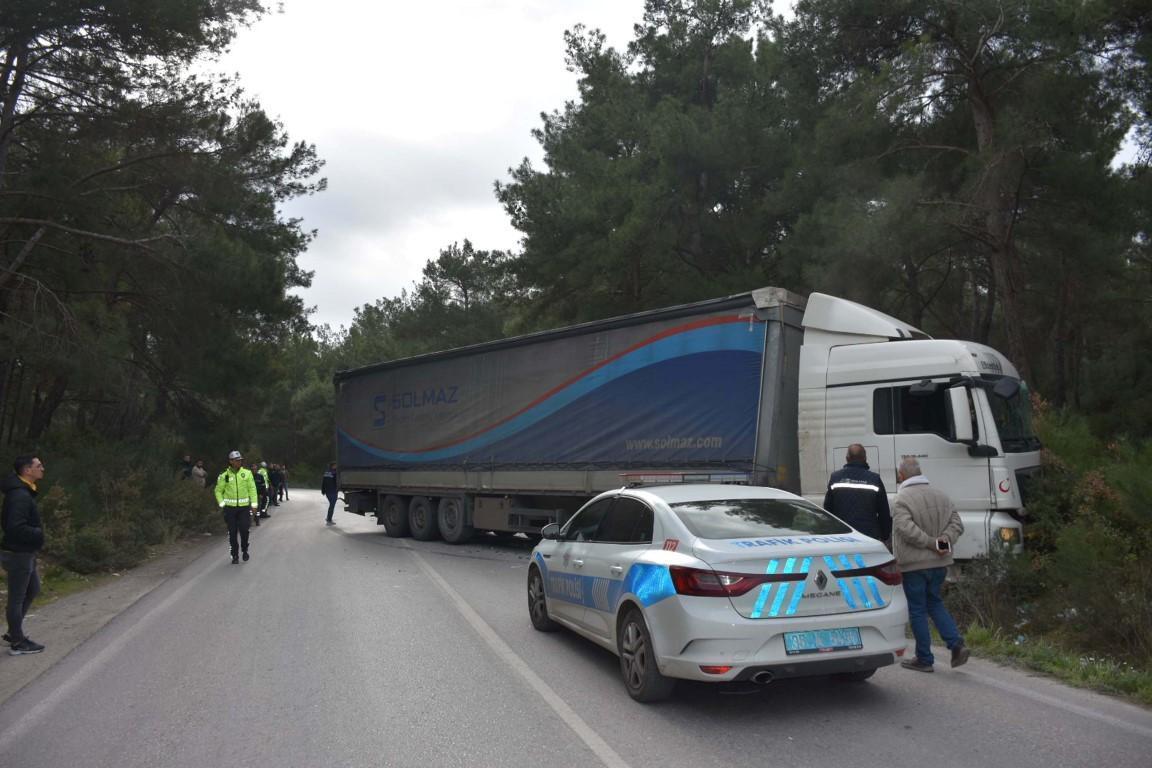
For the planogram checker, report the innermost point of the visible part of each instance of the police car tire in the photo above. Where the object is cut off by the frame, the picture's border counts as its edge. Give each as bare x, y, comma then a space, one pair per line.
538, 603
395, 517
422, 519
642, 676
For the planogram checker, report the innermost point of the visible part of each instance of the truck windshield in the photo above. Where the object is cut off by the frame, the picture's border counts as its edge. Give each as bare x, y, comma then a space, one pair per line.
1013, 419
755, 518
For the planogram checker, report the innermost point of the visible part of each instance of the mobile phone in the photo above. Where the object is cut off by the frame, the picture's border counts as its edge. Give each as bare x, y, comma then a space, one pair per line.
943, 545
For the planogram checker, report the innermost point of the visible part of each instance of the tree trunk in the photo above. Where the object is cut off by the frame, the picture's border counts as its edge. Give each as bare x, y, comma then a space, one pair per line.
44, 405
997, 198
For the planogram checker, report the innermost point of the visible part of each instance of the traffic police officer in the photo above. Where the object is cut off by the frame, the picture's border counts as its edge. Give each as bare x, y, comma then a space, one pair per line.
857, 496
236, 495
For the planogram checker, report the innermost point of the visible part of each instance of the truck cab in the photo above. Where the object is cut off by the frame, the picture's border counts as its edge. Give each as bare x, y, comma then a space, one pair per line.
959, 407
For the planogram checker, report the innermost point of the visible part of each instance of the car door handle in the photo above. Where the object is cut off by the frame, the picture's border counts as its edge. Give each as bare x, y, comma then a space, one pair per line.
617, 569
577, 563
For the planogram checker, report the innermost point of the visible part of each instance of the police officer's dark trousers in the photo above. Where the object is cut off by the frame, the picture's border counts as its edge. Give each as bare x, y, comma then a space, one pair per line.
238, 519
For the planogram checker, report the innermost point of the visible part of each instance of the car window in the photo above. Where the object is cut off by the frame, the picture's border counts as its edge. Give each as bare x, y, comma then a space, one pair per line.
628, 522
582, 527
755, 518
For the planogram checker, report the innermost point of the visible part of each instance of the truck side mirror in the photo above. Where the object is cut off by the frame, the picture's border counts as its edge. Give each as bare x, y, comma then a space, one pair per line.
960, 408
550, 531
1006, 388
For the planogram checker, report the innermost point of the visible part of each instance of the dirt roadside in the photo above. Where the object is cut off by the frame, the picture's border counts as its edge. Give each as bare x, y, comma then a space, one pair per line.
66, 623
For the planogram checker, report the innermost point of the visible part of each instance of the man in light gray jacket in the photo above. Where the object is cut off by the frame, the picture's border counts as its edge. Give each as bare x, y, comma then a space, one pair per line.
925, 525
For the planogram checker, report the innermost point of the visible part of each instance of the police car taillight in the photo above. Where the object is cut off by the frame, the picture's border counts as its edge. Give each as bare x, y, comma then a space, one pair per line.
702, 583
705, 583
887, 572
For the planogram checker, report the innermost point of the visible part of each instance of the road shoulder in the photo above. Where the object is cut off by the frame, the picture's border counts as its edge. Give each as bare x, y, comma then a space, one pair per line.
66, 623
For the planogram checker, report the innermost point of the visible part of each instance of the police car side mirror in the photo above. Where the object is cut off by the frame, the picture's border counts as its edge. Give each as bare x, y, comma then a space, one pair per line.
550, 531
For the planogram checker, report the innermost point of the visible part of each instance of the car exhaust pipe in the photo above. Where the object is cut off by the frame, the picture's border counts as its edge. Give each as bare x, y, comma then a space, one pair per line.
763, 678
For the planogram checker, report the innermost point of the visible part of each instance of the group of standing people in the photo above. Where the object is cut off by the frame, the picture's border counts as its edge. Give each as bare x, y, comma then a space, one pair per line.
920, 529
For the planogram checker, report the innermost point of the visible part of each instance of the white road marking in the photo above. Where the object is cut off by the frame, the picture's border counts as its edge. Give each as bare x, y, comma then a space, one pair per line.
1052, 701
599, 747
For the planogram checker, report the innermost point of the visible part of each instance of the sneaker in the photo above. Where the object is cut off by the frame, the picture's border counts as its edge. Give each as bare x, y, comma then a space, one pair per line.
960, 656
235, 560
24, 647
245, 557
329, 522
916, 665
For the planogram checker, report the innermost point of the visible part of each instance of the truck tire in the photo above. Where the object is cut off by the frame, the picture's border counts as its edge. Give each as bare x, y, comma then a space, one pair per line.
642, 676
422, 518
394, 515
452, 515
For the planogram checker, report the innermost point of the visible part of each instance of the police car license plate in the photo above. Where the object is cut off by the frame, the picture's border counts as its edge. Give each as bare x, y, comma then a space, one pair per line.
823, 641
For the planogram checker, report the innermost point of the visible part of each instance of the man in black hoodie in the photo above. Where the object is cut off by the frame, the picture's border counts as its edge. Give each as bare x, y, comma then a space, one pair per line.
857, 496
23, 537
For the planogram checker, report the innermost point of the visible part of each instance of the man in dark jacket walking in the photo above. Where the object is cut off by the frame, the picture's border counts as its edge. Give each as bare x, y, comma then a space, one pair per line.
856, 495
23, 537
330, 488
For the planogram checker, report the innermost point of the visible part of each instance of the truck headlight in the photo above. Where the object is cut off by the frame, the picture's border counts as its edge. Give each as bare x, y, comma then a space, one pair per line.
1009, 535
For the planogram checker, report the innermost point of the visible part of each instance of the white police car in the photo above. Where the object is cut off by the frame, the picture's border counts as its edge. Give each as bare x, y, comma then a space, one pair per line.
719, 583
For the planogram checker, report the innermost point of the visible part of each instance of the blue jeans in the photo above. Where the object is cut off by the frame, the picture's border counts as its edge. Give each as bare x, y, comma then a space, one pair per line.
332, 505
922, 588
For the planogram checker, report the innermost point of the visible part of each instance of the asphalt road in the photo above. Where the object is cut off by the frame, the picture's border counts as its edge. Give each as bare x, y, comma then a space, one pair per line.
336, 646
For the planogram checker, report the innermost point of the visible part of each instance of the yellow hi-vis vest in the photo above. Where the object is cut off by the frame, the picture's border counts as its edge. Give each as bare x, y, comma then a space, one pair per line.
236, 489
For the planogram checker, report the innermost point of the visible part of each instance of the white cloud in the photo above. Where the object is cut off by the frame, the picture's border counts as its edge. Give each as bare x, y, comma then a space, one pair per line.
418, 109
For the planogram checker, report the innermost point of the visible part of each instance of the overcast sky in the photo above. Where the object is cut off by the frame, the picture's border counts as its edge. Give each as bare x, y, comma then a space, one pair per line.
417, 108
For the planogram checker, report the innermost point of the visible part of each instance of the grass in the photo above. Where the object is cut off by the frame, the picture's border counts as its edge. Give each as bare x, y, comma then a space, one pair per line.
57, 581
1043, 655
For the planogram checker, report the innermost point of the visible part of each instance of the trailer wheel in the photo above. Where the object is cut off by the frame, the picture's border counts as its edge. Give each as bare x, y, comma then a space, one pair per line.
422, 518
395, 517
452, 515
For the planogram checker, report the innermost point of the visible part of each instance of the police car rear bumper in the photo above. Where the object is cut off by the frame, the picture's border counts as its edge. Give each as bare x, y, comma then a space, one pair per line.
690, 633
808, 668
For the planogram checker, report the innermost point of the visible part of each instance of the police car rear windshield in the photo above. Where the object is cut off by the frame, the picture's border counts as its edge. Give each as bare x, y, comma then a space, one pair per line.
754, 518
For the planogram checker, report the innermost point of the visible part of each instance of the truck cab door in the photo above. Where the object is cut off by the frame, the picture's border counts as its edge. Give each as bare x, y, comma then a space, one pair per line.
922, 427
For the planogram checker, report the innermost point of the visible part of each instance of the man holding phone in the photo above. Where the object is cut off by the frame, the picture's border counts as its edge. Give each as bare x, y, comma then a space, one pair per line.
925, 524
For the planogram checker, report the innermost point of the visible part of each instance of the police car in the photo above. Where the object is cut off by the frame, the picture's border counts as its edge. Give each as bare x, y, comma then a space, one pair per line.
718, 583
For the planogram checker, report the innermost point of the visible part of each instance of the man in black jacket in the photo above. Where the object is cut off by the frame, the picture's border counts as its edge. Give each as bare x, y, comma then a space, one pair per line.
23, 537
330, 487
856, 495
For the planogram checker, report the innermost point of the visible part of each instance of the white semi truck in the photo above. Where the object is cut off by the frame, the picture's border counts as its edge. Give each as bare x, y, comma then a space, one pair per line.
765, 387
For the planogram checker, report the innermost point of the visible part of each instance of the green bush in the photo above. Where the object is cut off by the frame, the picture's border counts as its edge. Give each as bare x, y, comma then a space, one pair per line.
104, 504
1084, 582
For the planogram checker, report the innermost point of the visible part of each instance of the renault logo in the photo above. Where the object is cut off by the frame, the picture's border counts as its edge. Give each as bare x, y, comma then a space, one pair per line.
821, 581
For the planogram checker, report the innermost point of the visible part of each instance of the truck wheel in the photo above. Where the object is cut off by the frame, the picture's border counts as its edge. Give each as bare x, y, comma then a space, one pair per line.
452, 515
422, 518
538, 603
642, 677
395, 517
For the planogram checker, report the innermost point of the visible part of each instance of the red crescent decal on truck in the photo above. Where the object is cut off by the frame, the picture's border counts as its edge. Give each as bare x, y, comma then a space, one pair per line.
1005, 486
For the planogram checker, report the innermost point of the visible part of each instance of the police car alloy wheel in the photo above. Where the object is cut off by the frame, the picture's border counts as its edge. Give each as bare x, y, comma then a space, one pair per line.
538, 603
642, 678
